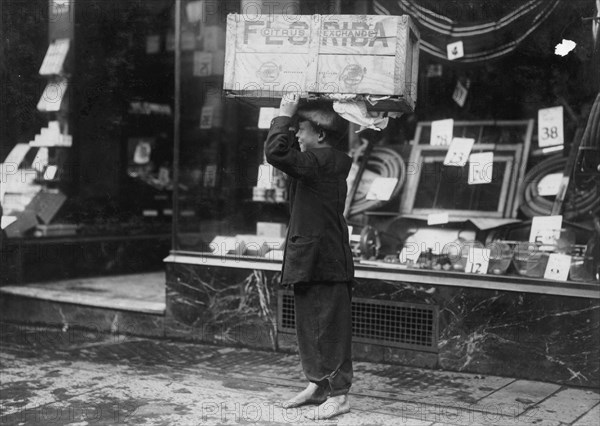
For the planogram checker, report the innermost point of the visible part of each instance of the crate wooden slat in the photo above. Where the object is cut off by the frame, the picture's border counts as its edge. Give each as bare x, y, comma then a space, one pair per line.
319, 56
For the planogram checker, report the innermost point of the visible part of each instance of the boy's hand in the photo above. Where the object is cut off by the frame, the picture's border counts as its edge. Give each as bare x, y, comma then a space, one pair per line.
289, 104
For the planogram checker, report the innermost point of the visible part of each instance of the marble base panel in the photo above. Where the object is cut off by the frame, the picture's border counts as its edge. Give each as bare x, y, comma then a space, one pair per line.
504, 333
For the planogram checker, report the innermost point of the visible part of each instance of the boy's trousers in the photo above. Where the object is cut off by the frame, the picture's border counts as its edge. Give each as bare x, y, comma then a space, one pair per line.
324, 332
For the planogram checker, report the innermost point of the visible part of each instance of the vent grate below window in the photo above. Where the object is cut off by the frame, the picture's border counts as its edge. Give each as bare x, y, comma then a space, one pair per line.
381, 322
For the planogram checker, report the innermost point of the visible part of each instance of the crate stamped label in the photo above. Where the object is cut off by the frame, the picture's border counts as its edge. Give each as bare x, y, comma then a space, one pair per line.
279, 34
344, 34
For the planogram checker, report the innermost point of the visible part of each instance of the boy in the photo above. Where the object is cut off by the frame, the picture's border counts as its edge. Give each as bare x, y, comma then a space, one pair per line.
317, 259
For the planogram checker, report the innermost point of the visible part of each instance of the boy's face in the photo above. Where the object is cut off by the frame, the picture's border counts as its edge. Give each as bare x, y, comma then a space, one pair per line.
308, 136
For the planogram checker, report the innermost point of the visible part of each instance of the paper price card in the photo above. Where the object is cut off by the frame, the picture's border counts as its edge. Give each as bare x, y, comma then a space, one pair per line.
478, 260
55, 57
202, 64
142, 152
437, 218
545, 229
7, 220
382, 188
441, 132
481, 168
206, 117
455, 50
549, 185
558, 267
460, 94
550, 127
458, 152
265, 116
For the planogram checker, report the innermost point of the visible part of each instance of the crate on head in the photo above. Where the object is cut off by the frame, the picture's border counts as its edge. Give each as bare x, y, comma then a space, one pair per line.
322, 56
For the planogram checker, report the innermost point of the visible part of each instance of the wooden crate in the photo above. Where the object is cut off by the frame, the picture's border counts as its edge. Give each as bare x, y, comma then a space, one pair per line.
320, 56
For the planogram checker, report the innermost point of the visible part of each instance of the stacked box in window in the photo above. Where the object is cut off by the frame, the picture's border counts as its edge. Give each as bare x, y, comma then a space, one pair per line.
322, 55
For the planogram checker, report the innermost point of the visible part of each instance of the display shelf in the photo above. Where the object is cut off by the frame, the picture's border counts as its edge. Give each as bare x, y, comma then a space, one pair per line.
415, 276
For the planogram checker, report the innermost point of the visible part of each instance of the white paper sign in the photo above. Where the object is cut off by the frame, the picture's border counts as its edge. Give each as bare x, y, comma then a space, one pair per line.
434, 70
265, 176
50, 172
455, 50
437, 218
550, 127
194, 11
558, 267
142, 152
458, 152
210, 176
478, 260
202, 64
545, 229
206, 117
382, 188
549, 185
55, 57
460, 94
265, 116
17, 154
441, 132
481, 168
53, 96
7, 220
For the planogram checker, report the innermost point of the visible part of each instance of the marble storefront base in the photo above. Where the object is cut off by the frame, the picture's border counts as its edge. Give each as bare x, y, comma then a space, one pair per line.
504, 333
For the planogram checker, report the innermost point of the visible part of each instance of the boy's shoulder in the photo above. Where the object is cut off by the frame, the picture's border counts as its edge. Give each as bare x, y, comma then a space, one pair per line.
331, 157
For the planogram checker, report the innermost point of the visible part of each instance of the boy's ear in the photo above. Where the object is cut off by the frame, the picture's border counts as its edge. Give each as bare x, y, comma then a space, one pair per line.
321, 136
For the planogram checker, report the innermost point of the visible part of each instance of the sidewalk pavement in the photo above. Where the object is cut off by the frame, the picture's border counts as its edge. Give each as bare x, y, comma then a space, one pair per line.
58, 377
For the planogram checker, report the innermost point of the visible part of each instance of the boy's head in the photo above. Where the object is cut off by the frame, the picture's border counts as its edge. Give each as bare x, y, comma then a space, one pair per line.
319, 126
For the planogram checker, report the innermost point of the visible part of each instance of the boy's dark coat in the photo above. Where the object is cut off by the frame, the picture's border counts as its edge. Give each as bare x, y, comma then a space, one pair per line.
317, 245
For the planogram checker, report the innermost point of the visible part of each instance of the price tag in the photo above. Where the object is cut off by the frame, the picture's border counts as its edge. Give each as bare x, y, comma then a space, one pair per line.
55, 57
206, 117
52, 97
558, 267
545, 229
50, 172
194, 11
455, 50
265, 116
549, 185
142, 152
460, 94
550, 127
16, 156
202, 64
481, 168
458, 152
437, 218
7, 220
434, 70
382, 188
478, 260
441, 132
210, 176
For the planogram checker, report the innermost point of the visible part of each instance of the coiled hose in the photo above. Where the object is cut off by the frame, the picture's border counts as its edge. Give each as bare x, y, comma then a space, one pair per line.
387, 163
533, 204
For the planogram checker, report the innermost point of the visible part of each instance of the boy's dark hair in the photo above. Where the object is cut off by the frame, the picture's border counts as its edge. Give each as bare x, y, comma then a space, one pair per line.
322, 117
